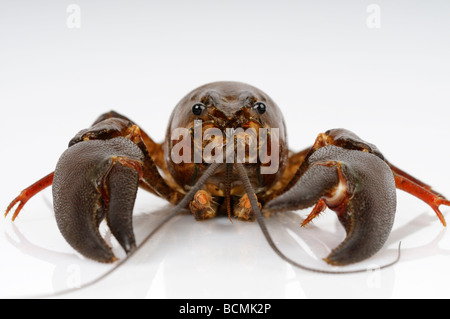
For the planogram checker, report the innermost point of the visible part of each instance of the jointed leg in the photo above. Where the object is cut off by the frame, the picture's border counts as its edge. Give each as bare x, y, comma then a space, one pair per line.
112, 125
29, 193
108, 126
348, 140
361, 190
413, 186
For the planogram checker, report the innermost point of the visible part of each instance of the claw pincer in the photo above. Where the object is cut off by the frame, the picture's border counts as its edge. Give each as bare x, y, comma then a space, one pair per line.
96, 179
359, 187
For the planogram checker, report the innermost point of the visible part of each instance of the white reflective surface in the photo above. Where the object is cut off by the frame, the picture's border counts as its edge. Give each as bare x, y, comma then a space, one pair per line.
322, 64
218, 259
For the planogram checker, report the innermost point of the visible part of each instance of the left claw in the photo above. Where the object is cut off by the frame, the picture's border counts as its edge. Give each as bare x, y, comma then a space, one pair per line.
94, 179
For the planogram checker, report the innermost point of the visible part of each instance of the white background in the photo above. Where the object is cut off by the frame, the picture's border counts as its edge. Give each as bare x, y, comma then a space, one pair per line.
318, 60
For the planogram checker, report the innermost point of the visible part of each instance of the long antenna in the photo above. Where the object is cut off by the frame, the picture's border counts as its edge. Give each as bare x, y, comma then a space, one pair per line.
174, 212
260, 219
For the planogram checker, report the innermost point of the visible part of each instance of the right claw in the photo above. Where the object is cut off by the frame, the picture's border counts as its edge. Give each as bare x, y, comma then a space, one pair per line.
359, 187
94, 179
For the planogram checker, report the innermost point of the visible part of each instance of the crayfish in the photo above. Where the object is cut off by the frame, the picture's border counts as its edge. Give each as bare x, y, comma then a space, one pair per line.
225, 153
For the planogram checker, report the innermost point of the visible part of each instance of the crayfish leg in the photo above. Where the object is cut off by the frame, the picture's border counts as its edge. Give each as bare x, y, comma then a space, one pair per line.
423, 192
29, 193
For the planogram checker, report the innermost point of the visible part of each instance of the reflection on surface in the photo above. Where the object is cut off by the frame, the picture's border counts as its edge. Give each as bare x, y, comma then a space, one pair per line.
219, 259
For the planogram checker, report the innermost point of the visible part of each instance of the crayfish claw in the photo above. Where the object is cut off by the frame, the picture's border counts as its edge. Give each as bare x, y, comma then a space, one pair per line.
93, 180
123, 182
359, 187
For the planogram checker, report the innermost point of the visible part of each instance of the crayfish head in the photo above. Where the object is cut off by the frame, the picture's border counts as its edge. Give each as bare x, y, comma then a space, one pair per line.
226, 122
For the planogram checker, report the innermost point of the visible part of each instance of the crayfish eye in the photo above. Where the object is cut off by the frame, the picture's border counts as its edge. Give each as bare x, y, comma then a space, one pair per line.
198, 108
260, 107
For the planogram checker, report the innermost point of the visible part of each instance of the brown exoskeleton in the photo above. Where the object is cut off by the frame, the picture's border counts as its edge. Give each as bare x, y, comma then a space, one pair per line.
99, 174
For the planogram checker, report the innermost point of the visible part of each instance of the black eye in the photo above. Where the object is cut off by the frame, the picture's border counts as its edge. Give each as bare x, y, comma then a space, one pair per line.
198, 108
260, 107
